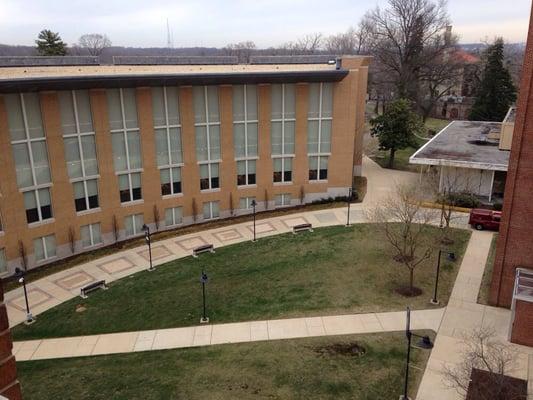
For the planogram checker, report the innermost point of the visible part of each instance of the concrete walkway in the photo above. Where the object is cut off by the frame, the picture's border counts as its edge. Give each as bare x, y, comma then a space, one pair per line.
204, 335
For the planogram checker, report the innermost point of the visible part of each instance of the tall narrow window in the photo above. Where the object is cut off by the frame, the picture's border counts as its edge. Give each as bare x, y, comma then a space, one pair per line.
245, 123
168, 138
90, 235
211, 210
80, 147
320, 117
126, 141
207, 130
28, 142
3, 261
282, 131
44, 247
133, 224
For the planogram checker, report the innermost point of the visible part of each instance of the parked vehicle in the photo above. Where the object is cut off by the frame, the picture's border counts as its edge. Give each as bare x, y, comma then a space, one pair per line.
485, 219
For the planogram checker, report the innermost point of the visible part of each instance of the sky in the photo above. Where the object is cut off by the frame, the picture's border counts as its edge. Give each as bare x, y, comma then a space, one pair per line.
215, 23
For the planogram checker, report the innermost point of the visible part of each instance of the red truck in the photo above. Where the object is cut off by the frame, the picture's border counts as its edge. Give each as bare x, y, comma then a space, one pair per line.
485, 219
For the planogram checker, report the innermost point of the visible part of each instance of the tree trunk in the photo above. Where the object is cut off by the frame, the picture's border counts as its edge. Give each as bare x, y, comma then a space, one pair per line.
391, 158
412, 280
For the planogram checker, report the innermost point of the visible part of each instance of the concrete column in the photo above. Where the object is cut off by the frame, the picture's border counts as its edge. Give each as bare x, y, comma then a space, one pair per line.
9, 385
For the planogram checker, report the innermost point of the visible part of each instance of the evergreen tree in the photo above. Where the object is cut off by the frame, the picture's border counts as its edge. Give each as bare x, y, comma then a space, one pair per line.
50, 44
496, 91
396, 128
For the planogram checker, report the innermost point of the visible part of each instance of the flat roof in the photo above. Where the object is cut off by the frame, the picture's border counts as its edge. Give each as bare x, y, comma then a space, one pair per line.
464, 144
38, 78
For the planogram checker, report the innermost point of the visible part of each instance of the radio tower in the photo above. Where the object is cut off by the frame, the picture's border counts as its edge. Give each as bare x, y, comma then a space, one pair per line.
170, 42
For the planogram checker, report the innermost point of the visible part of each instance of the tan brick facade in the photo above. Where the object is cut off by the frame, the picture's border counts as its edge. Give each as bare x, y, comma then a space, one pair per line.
349, 96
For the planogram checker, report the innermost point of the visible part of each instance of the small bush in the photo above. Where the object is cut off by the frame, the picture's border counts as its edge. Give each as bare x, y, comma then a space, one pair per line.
466, 200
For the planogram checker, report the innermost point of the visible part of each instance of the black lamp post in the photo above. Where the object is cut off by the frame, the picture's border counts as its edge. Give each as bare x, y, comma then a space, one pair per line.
424, 343
148, 238
203, 280
350, 193
451, 257
21, 276
254, 204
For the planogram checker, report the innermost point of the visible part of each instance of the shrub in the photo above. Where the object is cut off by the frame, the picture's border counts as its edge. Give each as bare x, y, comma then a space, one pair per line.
465, 199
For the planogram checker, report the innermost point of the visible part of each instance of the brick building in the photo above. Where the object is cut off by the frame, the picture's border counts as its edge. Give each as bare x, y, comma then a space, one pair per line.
514, 249
9, 385
90, 153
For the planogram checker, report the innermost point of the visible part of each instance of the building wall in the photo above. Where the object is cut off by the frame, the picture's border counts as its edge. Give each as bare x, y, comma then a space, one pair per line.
514, 242
346, 157
476, 181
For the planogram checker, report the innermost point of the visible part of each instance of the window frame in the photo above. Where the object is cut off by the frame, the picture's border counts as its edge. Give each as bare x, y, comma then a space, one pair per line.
211, 217
91, 235
283, 155
320, 154
245, 122
284, 197
45, 251
173, 210
133, 218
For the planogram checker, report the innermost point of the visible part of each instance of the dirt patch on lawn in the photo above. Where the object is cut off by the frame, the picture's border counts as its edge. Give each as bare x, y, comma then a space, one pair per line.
407, 291
352, 349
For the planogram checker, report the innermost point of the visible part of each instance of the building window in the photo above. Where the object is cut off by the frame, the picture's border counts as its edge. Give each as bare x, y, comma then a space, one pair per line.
80, 147
282, 131
320, 117
173, 216
167, 128
245, 122
44, 247
38, 205
28, 142
245, 203
133, 224
130, 187
3, 261
211, 210
207, 132
90, 235
282, 200
126, 141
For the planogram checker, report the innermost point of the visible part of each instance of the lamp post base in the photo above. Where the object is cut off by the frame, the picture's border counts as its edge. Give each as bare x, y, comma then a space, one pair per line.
30, 319
204, 320
434, 302
402, 397
151, 269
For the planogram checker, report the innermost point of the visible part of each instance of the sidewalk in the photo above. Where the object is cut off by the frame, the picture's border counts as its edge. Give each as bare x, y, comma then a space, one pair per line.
204, 335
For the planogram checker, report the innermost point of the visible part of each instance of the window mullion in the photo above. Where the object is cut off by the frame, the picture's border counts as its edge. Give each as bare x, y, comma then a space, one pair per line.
28, 140
320, 119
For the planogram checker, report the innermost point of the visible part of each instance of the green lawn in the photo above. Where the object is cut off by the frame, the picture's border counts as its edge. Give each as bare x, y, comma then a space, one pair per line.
287, 369
331, 270
484, 290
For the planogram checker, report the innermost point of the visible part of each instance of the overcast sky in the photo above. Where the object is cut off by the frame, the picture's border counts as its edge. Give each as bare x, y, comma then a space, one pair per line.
219, 22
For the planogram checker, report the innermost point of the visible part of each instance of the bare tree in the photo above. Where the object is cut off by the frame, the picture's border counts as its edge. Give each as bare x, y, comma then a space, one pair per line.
483, 352
95, 43
307, 45
405, 37
405, 224
241, 50
353, 41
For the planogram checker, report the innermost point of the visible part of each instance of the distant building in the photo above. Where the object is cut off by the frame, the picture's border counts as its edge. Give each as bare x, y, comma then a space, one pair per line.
471, 156
90, 153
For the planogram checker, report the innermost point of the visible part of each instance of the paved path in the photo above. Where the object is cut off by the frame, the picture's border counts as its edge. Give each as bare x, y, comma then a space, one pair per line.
204, 335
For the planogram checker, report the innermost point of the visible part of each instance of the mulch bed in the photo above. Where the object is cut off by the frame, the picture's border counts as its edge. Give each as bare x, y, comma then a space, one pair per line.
488, 386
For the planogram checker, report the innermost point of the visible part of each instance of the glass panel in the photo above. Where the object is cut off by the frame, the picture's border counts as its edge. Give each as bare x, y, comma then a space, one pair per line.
38, 249
314, 100
327, 100
22, 163
3, 261
139, 222
165, 182
207, 210
158, 107
212, 102
89, 155
72, 156
290, 101
33, 115
214, 170
215, 209
325, 136
251, 167
14, 116
173, 105
119, 151
83, 104
66, 106
169, 217
178, 215
252, 139
312, 136
46, 203
134, 149
130, 107
241, 167
198, 95
128, 225
50, 243
289, 137
175, 146
239, 140
323, 167
97, 234
114, 112
278, 200
276, 96
85, 235
214, 142
313, 168
251, 102
30, 204
136, 180
276, 138
161, 145
238, 103
92, 187
40, 162
201, 143
204, 172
